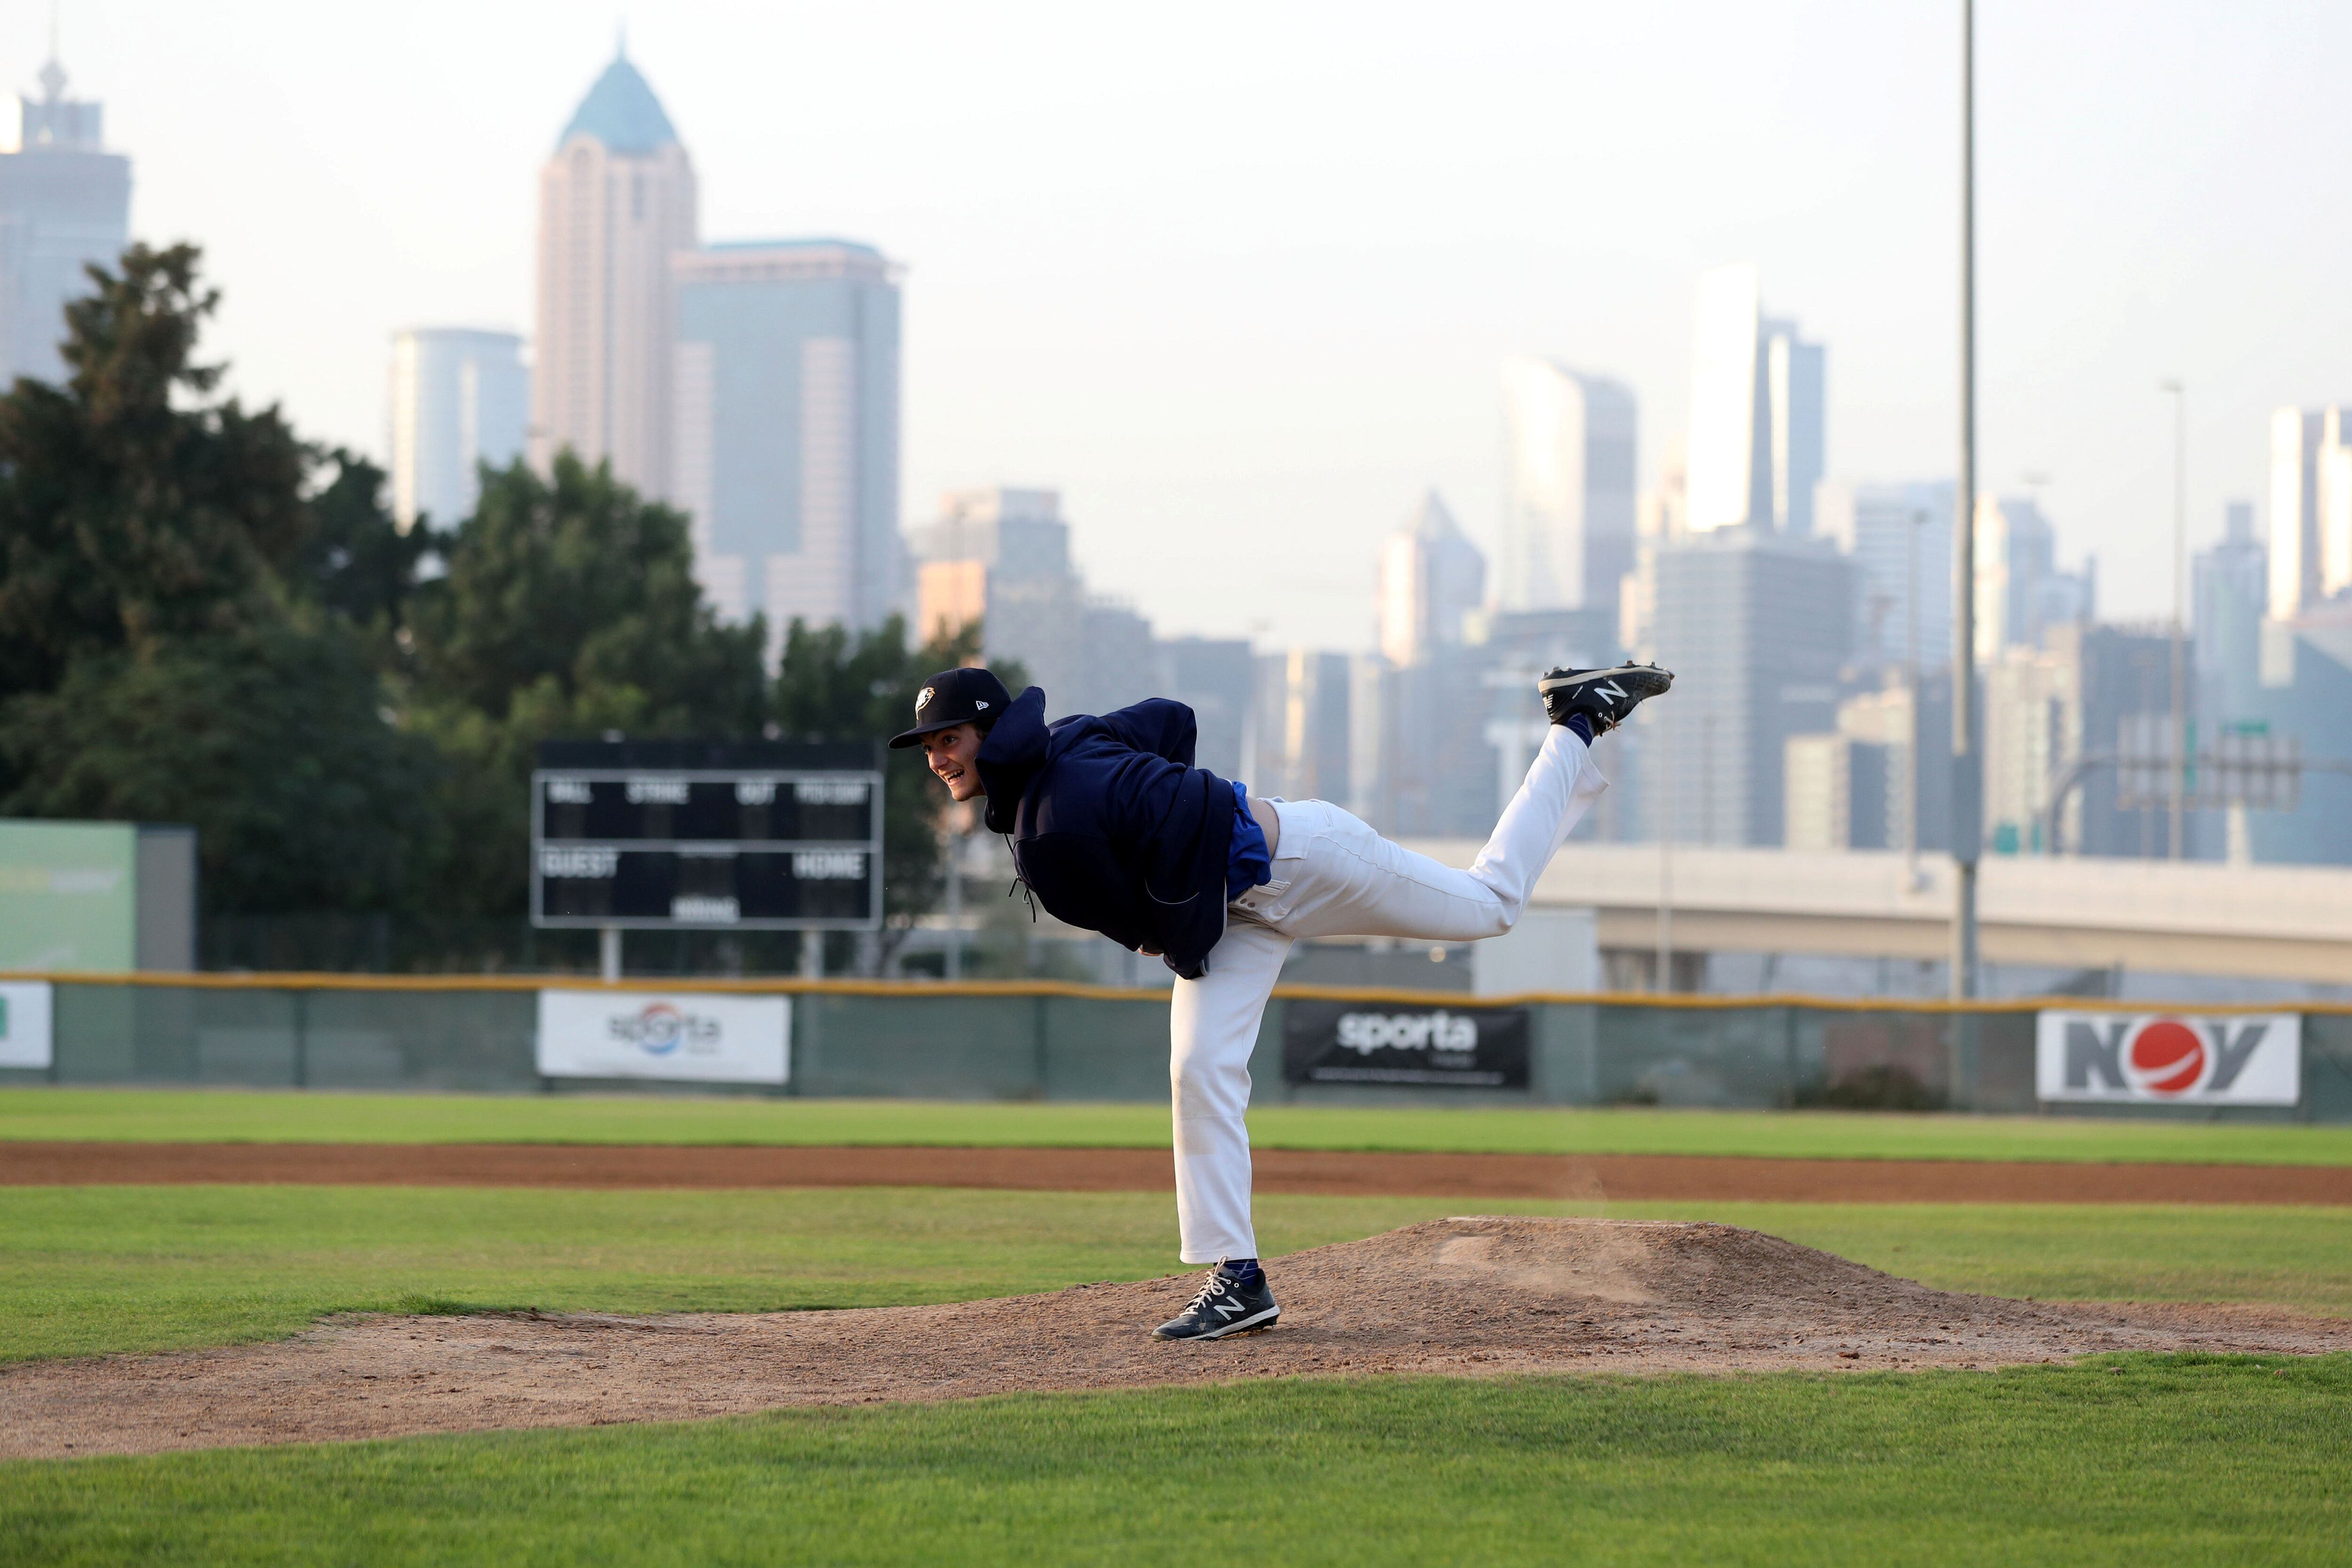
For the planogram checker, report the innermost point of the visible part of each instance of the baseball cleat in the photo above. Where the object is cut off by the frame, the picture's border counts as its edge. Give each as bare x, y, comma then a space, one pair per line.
1224, 1307
1605, 697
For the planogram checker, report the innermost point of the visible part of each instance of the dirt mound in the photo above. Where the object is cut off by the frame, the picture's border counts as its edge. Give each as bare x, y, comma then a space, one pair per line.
1458, 1296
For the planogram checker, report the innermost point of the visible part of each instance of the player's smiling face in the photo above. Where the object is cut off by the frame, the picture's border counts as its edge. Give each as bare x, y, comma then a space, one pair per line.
953, 753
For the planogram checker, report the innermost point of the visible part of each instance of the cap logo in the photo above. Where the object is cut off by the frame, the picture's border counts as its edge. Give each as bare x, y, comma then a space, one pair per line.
922, 701
983, 706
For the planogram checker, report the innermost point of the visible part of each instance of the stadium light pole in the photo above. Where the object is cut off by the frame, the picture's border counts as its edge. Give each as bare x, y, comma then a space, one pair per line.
2179, 780
1968, 768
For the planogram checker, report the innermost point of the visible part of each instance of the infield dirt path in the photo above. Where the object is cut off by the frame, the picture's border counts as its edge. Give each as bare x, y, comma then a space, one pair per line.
1457, 1297
1589, 1178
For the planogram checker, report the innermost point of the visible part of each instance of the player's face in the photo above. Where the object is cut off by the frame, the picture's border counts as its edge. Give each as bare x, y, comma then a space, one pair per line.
952, 753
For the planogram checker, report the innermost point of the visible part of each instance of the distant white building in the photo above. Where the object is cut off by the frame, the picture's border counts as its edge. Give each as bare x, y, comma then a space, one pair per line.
460, 398
1900, 534
785, 437
2311, 508
1758, 419
2020, 593
1431, 577
1568, 486
64, 202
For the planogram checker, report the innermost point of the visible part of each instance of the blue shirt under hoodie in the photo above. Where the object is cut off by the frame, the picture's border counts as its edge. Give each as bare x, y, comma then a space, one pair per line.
1112, 827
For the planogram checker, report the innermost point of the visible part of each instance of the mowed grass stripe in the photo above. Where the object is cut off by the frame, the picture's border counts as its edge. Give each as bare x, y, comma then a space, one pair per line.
85, 1270
2184, 1459
288, 1116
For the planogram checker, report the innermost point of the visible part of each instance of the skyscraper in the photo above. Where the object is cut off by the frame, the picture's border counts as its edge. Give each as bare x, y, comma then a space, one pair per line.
615, 201
1901, 538
1431, 576
2021, 592
1757, 421
785, 393
2229, 584
2311, 508
460, 398
64, 202
1568, 486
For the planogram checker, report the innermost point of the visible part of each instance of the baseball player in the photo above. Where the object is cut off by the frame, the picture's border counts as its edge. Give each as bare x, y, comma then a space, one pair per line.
1113, 829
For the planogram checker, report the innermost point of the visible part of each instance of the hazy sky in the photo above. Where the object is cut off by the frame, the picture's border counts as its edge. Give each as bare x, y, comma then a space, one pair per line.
1237, 279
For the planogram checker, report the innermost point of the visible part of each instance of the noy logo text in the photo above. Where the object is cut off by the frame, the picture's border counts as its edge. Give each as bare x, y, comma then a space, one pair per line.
659, 1029
2158, 1059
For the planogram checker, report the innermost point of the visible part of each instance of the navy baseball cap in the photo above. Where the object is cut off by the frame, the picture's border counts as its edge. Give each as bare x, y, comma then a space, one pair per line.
953, 697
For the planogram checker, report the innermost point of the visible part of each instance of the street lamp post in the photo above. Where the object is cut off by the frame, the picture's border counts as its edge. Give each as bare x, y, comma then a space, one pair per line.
1967, 768
2179, 769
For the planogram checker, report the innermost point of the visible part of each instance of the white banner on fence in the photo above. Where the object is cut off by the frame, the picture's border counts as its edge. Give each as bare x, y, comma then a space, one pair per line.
633, 1034
2245, 1059
25, 1036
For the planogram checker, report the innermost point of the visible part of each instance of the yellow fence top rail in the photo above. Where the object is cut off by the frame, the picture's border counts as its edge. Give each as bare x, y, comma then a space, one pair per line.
927, 989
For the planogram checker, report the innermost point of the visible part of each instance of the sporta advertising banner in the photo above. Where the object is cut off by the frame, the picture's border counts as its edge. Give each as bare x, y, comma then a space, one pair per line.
2244, 1059
25, 1037
631, 1034
1381, 1042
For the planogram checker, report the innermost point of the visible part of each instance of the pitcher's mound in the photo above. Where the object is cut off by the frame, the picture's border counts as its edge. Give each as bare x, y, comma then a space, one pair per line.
1457, 1296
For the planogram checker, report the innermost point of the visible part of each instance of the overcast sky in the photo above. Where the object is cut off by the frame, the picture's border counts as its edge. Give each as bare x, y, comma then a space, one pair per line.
1237, 279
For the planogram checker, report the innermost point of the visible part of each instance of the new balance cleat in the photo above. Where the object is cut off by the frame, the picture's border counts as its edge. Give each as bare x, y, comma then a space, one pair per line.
1224, 1307
1605, 697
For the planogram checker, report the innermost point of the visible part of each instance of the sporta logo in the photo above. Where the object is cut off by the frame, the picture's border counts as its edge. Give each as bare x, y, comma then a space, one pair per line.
658, 1028
1365, 1033
2242, 1060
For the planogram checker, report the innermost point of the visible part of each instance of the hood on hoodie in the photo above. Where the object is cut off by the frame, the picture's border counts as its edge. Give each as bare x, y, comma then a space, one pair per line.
1010, 758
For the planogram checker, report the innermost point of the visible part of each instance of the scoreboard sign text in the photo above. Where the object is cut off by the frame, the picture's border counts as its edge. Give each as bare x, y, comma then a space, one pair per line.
695, 1038
759, 836
1381, 1043
2242, 1058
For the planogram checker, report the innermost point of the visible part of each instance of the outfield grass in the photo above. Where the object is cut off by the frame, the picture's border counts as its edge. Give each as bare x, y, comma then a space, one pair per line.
205, 1116
101, 1268
2184, 1459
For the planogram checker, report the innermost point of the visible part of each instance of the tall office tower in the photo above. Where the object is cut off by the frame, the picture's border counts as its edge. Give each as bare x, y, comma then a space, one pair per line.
1299, 744
64, 202
1754, 627
2119, 673
1660, 519
460, 398
1002, 557
786, 436
614, 202
1211, 675
2311, 508
1757, 421
1431, 577
1568, 486
2228, 587
1901, 538
2021, 592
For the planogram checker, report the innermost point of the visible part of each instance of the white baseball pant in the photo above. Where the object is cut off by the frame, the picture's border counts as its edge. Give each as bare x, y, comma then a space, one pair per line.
1333, 876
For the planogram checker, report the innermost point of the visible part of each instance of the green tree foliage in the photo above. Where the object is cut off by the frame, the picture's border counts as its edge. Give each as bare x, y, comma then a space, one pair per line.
835, 686
569, 609
168, 652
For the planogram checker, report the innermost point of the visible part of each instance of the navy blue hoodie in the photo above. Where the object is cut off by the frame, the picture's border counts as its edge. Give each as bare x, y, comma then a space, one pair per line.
1113, 828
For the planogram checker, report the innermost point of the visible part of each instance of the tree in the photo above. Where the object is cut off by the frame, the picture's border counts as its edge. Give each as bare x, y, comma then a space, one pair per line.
569, 609
355, 560
832, 686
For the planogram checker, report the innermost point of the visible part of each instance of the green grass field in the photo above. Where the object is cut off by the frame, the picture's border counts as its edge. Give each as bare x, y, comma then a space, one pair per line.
2124, 1461
90, 1269
288, 1116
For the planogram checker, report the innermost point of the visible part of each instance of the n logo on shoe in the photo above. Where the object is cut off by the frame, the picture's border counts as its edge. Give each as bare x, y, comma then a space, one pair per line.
1613, 691
1228, 1308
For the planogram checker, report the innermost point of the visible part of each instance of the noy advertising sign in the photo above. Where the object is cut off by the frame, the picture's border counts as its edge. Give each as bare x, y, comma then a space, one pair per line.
1380, 1043
2245, 1059
695, 1038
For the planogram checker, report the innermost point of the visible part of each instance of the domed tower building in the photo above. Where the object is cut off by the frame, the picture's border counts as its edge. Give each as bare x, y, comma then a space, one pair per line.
615, 202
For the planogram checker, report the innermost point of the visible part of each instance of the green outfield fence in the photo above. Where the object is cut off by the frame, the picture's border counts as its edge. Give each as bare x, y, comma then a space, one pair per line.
1045, 1041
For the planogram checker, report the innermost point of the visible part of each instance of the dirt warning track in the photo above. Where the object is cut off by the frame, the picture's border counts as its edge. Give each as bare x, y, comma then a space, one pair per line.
1626, 1177
1456, 1297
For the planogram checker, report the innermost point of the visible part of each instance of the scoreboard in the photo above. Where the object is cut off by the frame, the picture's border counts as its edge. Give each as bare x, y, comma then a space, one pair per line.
747, 836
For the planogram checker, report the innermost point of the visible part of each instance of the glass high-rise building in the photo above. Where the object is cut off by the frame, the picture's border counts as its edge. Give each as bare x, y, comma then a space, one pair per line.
785, 435
1568, 486
1758, 421
64, 202
460, 398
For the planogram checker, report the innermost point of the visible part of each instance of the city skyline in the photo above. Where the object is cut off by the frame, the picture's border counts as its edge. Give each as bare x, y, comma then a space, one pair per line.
1179, 353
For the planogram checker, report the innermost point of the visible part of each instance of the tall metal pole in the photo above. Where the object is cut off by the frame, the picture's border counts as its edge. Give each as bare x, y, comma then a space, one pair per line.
2180, 771
1967, 766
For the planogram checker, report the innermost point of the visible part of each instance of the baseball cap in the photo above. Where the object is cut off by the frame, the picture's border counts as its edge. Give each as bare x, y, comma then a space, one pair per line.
953, 697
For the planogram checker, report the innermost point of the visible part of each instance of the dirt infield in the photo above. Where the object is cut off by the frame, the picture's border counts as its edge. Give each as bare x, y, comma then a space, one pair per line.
1458, 1297
1628, 1178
